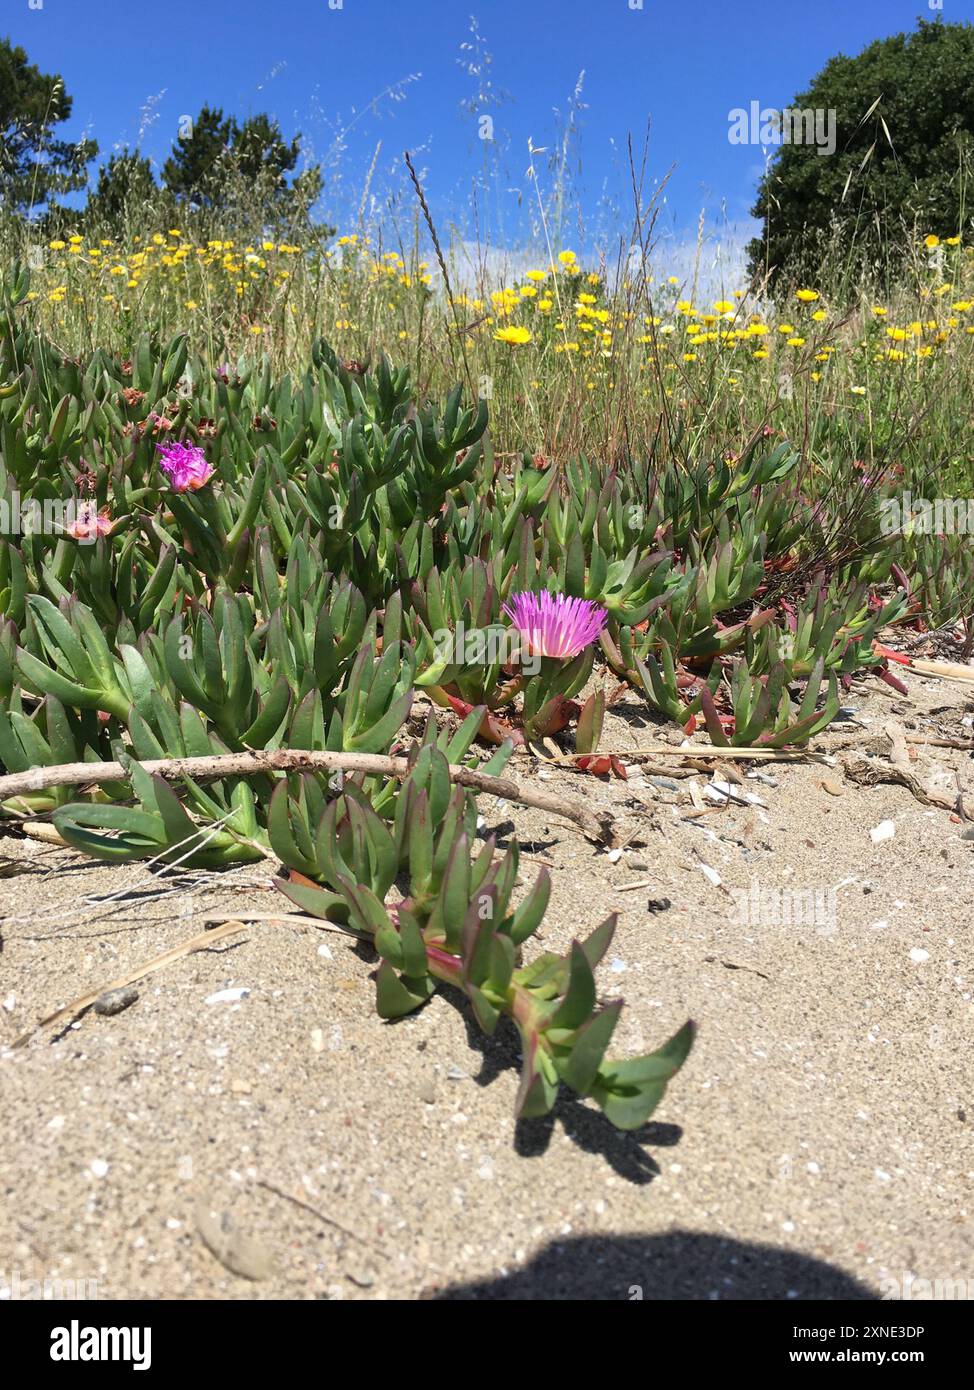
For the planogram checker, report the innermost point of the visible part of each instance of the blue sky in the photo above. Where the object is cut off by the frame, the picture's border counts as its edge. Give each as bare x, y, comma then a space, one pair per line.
395, 72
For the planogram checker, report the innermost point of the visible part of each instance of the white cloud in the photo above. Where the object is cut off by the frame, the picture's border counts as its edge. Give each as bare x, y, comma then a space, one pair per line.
708, 268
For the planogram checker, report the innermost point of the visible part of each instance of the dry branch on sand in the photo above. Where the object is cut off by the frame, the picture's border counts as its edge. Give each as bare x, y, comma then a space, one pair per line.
872, 771
596, 825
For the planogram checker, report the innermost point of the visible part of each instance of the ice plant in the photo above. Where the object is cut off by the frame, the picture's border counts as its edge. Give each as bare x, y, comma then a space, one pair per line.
360, 543
555, 625
457, 926
87, 524
185, 465
561, 631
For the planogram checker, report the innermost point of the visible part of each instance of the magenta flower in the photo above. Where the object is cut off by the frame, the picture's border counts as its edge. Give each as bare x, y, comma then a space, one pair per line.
553, 625
185, 465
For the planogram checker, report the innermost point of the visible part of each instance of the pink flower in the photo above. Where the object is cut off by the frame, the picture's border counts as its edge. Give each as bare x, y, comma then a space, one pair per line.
185, 465
554, 625
87, 524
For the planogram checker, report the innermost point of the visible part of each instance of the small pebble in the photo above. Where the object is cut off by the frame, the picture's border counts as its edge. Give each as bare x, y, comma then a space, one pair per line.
239, 1252
227, 996
113, 1001
885, 830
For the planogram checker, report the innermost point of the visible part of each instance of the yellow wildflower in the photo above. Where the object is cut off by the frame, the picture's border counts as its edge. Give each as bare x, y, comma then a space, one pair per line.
514, 336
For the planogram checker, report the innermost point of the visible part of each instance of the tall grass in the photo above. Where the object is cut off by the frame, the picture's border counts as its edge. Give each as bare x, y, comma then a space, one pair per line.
619, 352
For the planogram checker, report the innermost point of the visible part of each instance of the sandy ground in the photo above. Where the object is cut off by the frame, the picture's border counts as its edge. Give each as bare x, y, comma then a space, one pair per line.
818, 1143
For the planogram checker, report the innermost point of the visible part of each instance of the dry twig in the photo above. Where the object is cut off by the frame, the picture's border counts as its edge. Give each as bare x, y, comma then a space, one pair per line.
596, 826
868, 772
79, 1006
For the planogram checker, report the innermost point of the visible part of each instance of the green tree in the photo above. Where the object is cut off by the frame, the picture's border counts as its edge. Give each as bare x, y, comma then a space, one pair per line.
198, 166
904, 141
125, 185
222, 164
35, 166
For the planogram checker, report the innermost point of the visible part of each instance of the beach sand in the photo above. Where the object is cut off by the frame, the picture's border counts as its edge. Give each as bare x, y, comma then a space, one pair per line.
289, 1144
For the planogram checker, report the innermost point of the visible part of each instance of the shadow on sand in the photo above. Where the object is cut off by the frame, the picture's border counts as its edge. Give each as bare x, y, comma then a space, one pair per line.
678, 1265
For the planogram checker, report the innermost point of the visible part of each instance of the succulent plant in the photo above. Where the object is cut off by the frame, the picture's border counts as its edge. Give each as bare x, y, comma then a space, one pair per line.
262, 562
940, 572
833, 627
764, 715
455, 925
